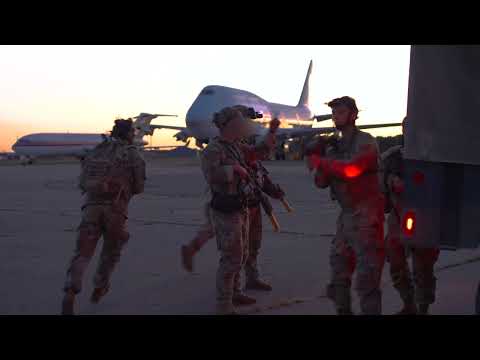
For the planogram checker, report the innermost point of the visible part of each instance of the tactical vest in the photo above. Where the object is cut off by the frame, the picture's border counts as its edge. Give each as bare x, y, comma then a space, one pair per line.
106, 172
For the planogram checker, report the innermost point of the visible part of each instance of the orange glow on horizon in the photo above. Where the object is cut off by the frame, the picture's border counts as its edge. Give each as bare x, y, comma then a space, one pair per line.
82, 89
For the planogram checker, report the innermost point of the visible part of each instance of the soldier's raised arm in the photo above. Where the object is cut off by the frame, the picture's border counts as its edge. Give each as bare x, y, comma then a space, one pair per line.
262, 150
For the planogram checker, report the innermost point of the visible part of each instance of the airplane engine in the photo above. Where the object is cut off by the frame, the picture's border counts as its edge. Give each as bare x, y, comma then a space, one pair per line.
181, 136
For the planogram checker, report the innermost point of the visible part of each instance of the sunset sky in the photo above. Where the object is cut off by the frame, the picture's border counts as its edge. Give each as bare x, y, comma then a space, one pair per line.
84, 88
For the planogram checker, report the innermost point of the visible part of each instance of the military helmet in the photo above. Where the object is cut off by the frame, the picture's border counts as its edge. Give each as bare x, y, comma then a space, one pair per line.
121, 128
224, 116
242, 108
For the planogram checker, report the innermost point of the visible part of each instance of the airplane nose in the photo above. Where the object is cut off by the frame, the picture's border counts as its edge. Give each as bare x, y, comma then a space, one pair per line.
194, 117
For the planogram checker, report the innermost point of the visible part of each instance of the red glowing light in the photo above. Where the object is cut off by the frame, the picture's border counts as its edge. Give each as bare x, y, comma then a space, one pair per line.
352, 171
409, 223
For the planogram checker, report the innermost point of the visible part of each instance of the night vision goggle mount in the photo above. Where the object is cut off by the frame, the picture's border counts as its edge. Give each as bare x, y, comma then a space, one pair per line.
252, 114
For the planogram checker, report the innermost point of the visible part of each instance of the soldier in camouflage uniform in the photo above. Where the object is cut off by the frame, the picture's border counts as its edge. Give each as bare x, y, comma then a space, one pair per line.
105, 210
206, 232
351, 170
423, 259
222, 167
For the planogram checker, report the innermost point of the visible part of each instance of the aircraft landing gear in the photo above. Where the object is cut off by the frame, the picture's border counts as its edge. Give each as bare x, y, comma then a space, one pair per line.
26, 161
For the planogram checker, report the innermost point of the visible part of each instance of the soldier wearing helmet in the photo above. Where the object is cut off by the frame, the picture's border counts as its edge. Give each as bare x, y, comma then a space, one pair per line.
206, 231
223, 165
111, 175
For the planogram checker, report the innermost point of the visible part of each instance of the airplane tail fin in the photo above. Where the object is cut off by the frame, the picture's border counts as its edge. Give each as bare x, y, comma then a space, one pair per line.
306, 86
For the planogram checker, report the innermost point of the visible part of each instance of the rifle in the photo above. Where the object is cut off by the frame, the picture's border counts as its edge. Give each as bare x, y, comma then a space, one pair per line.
274, 190
267, 207
319, 145
252, 180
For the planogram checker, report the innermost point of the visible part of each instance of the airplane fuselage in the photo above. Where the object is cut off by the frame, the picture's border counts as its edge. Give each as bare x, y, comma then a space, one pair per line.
59, 144
56, 144
213, 98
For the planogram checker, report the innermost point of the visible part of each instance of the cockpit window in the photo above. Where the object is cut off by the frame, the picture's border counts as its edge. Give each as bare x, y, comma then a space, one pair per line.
207, 92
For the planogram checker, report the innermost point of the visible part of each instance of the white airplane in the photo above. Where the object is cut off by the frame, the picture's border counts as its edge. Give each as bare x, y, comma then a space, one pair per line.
33, 146
213, 98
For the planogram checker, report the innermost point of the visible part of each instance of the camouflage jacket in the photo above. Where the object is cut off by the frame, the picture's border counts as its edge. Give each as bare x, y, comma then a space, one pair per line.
218, 160
132, 179
360, 191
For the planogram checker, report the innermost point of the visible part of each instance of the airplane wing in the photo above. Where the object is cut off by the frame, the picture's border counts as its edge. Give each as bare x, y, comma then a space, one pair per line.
180, 128
182, 135
299, 132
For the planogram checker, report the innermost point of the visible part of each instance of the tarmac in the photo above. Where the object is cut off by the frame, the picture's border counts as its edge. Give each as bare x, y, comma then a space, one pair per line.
40, 210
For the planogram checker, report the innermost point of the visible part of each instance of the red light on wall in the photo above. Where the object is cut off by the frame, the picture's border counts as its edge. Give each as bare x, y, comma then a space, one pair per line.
409, 223
418, 178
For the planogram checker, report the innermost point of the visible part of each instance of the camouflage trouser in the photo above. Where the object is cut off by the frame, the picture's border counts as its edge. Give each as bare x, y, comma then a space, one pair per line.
254, 242
205, 233
423, 261
97, 220
231, 231
358, 245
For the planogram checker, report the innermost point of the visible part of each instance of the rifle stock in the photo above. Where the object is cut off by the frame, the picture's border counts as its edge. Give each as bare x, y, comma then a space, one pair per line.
286, 205
268, 208
275, 224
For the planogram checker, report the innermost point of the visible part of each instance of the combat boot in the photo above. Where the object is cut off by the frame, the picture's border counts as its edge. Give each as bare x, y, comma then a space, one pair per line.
408, 309
187, 257
98, 293
240, 299
423, 309
68, 303
257, 284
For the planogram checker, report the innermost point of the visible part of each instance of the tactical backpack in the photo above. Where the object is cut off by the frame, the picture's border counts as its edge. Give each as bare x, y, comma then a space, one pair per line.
105, 171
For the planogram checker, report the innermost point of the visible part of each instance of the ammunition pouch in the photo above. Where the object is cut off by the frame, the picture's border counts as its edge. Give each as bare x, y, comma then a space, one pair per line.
228, 204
